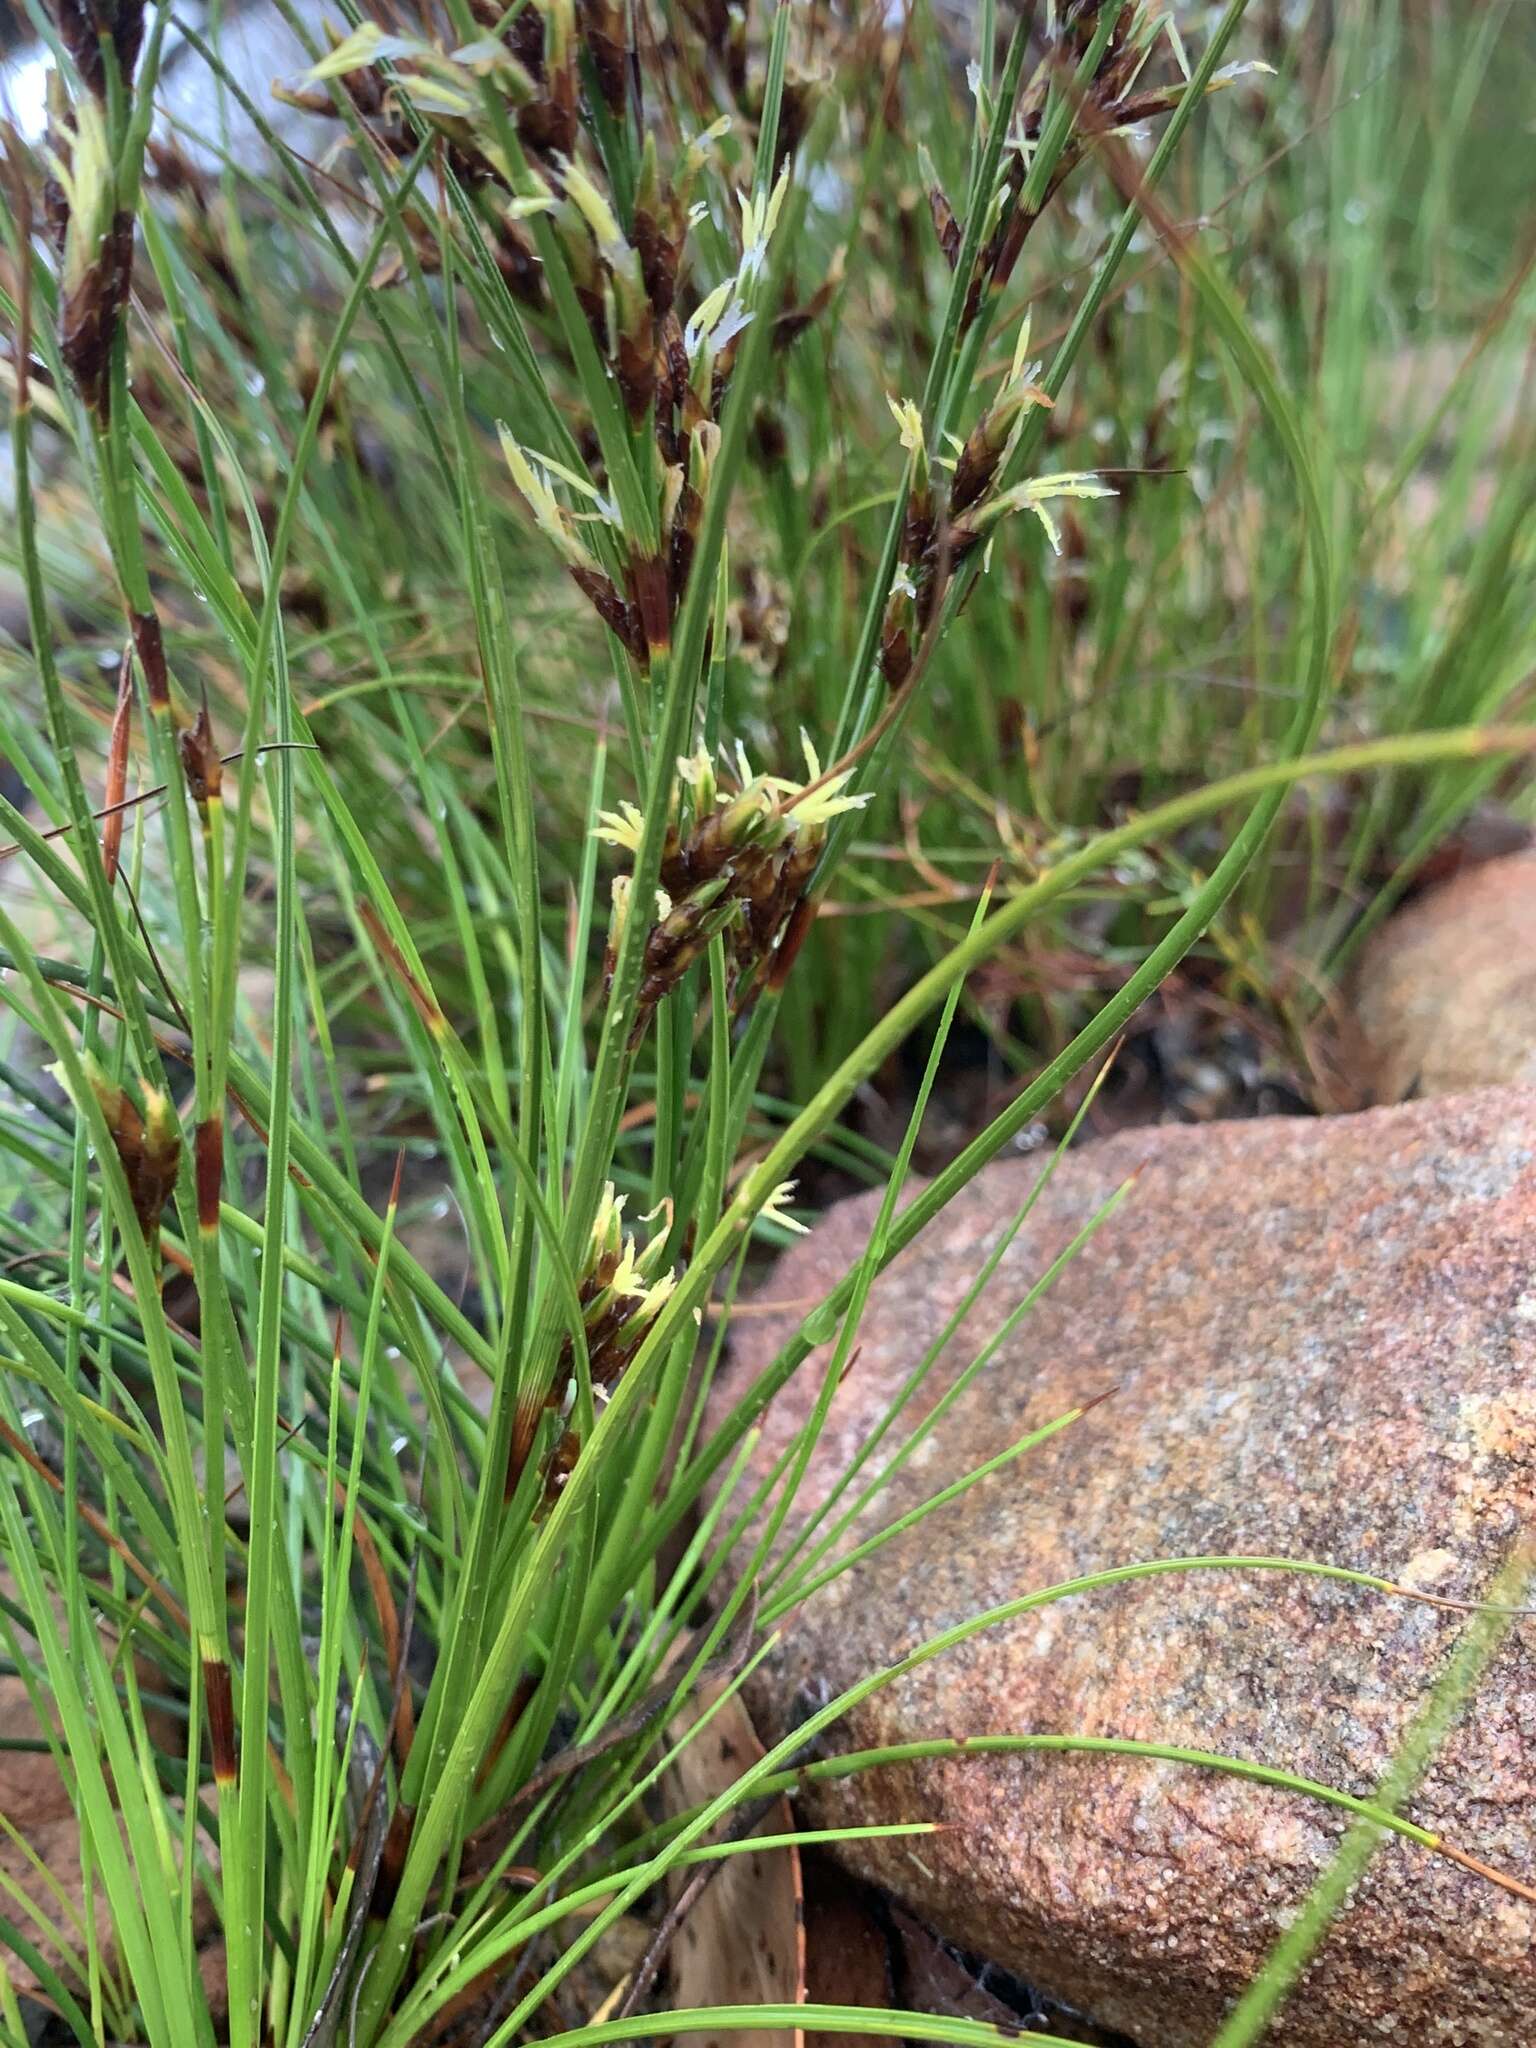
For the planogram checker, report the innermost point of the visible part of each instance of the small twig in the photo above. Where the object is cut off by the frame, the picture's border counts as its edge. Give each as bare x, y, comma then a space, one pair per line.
145, 796
154, 958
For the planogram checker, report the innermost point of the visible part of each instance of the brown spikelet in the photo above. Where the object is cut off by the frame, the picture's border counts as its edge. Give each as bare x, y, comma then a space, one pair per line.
604, 36
80, 31
518, 262
917, 527
548, 126
684, 539
636, 368
795, 110
200, 762
619, 617
156, 1180
89, 315
149, 1153
975, 468
660, 253
675, 353
945, 226
87, 28
649, 592
128, 35
525, 34
896, 655
1011, 244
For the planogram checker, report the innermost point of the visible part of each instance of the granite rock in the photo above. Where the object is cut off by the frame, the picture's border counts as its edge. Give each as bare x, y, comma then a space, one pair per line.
1445, 997
1322, 1340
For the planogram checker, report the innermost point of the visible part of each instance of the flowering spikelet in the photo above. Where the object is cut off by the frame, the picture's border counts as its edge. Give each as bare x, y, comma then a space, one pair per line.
992, 438
97, 251
88, 29
945, 226
622, 1288
1034, 496
147, 1140
559, 228
934, 546
621, 828
1113, 102
740, 866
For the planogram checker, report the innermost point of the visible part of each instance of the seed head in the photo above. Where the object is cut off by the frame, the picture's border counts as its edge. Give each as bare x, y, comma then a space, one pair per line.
147, 1142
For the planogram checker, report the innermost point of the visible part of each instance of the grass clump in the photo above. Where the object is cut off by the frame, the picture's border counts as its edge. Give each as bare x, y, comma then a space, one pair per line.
532, 686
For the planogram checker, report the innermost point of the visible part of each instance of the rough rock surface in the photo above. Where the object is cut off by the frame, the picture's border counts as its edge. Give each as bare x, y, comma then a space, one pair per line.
35, 1801
1446, 993
1323, 1335
42, 1859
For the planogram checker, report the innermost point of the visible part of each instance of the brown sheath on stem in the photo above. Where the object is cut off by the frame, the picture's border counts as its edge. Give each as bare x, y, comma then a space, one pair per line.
782, 958
208, 1152
401, 1825
525, 1426
650, 590
149, 645
221, 1721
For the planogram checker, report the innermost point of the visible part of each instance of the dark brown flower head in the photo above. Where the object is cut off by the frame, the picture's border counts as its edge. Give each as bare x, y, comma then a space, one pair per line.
200, 762
96, 250
147, 1143
604, 34
945, 226
740, 867
660, 224
92, 31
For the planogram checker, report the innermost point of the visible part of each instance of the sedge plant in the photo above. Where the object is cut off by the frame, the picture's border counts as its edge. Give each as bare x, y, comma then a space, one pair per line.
493, 568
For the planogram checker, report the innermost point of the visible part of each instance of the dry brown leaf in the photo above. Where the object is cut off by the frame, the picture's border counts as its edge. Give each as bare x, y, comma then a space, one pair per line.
743, 1942
847, 1952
